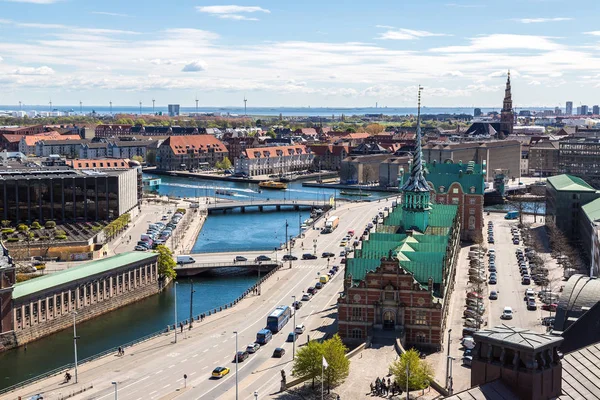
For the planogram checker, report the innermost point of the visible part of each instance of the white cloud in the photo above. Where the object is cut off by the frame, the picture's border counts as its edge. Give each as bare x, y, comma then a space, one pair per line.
406, 34
593, 33
464, 5
502, 42
540, 20
535, 83
195, 66
110, 14
44, 70
232, 11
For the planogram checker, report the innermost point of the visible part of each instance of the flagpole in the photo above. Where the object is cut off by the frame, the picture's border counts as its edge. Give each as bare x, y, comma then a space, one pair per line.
407, 375
322, 368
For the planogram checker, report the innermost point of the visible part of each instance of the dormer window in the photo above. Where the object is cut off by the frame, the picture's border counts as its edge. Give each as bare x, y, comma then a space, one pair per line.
442, 189
472, 189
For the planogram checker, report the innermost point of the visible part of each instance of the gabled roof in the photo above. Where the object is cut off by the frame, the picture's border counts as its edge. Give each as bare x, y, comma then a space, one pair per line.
569, 183
275, 151
194, 143
592, 210
31, 140
66, 276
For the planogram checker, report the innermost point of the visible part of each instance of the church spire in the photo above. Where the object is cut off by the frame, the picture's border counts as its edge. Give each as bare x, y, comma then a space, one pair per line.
507, 115
507, 106
417, 182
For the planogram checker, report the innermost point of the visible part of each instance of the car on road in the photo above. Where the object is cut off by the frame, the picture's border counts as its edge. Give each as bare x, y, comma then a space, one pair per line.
241, 356
220, 372
549, 307
308, 256
507, 313
252, 347
288, 257
493, 295
548, 321
300, 329
343, 243
297, 305
140, 248
306, 296
531, 305
327, 254
292, 337
240, 258
474, 295
492, 280
318, 285
467, 361
343, 253
278, 352
526, 280
36, 397
262, 258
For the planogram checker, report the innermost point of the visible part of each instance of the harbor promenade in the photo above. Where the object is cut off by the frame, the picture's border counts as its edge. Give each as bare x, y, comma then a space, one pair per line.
155, 369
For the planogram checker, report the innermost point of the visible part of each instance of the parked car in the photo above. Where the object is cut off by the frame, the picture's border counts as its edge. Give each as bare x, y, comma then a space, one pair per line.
548, 321
309, 256
531, 305
306, 296
493, 295
289, 257
300, 329
327, 254
468, 342
252, 347
278, 352
526, 280
550, 307
318, 285
292, 337
467, 361
474, 295
297, 305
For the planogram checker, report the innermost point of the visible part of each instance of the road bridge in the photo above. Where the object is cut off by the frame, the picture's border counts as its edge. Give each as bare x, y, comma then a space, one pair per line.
241, 266
264, 205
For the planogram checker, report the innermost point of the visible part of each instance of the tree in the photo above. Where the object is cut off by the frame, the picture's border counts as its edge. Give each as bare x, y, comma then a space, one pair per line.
166, 264
419, 372
139, 159
151, 158
224, 164
5, 223
308, 361
374, 129
334, 352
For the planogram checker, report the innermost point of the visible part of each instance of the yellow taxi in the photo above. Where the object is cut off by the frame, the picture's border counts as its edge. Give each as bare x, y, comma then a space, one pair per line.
220, 372
343, 243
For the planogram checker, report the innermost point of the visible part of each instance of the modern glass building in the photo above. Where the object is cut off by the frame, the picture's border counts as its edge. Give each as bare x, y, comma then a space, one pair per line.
63, 195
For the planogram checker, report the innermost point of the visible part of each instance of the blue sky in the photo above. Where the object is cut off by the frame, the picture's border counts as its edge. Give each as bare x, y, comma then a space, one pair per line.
298, 53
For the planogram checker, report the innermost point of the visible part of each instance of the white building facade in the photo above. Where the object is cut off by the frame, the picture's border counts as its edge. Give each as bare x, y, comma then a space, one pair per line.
274, 160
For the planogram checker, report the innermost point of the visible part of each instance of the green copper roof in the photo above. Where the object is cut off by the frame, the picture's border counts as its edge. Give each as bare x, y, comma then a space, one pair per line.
421, 254
569, 183
79, 272
469, 175
592, 210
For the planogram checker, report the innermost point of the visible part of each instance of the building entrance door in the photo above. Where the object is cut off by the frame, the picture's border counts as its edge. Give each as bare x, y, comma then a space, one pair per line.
389, 320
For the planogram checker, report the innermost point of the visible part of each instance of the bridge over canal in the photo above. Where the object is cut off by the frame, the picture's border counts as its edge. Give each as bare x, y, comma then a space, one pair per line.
242, 267
268, 205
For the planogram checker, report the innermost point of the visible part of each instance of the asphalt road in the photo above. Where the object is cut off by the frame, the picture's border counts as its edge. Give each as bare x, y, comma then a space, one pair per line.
155, 369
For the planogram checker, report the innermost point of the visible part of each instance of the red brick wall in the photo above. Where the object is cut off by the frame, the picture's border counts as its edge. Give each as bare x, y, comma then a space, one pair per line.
464, 208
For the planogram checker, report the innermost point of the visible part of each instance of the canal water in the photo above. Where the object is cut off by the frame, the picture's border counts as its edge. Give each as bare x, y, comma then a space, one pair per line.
236, 231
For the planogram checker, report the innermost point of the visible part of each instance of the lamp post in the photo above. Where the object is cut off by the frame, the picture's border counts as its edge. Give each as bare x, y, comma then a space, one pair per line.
294, 342
256, 395
192, 291
236, 365
448, 359
315, 246
75, 337
290, 252
175, 312
450, 389
116, 390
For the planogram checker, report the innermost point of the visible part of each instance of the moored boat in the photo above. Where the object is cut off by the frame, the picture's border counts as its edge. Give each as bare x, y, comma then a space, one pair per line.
272, 185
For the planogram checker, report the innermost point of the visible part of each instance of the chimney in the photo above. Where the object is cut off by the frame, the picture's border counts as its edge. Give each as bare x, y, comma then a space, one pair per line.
527, 362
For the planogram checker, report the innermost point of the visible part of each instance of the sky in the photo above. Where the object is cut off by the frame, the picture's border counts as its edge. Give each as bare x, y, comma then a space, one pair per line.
327, 53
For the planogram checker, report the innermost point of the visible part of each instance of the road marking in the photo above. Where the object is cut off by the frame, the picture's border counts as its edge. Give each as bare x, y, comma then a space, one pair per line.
166, 386
205, 350
206, 366
125, 387
179, 380
193, 373
195, 355
215, 346
184, 360
151, 393
171, 366
158, 372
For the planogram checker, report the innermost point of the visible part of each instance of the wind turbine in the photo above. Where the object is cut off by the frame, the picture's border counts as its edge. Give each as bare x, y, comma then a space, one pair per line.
245, 101
140, 108
196, 104
80, 107
152, 106
110, 102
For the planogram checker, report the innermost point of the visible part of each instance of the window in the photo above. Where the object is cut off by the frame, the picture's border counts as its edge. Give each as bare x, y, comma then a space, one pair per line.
420, 318
356, 314
421, 338
455, 190
389, 296
442, 189
471, 222
455, 200
472, 211
356, 334
472, 200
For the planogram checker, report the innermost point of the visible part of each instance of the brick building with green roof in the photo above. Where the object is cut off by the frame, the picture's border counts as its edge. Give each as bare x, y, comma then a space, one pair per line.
401, 278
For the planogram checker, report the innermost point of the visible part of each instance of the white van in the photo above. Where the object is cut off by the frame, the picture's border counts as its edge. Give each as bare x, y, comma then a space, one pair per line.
299, 329
185, 260
507, 313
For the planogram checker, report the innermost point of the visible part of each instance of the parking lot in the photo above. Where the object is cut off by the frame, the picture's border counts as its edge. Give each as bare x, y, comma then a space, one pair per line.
510, 291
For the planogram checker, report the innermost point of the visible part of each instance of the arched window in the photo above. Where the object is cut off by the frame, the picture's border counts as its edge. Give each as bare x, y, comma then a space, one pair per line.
472, 222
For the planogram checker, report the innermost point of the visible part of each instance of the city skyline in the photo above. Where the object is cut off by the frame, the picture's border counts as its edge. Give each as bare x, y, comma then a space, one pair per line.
297, 55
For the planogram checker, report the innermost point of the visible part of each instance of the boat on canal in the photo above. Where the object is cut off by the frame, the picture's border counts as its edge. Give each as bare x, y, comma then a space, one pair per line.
361, 194
273, 185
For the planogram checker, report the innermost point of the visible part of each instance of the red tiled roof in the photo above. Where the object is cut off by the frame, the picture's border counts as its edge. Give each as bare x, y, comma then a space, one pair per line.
309, 131
275, 151
31, 140
194, 143
9, 137
99, 163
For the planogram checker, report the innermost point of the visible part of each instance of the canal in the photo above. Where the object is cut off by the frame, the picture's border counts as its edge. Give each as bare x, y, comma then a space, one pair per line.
231, 232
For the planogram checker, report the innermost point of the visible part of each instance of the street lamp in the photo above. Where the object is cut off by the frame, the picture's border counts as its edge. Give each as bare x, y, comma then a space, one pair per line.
294, 342
256, 395
448, 359
175, 310
315, 246
236, 365
450, 389
75, 337
116, 388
